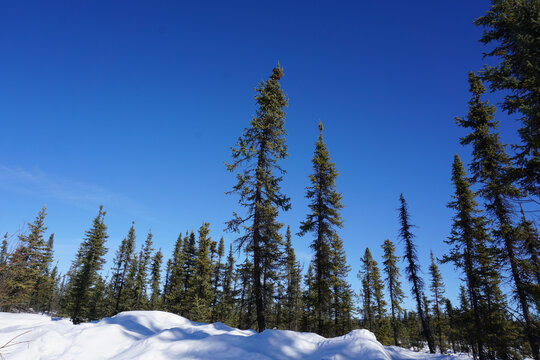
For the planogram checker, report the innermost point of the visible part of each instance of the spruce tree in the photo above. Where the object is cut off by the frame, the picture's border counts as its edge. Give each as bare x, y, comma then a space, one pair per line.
293, 278
167, 283
272, 280
372, 292
464, 323
6, 275
451, 330
395, 293
44, 283
85, 268
466, 236
4, 254
124, 258
129, 295
413, 271
322, 221
189, 256
226, 304
141, 278
529, 261
55, 292
514, 30
491, 168
24, 269
199, 294
437, 290
258, 152
498, 334
217, 280
342, 294
97, 308
176, 281
244, 273
155, 274
37, 260
309, 322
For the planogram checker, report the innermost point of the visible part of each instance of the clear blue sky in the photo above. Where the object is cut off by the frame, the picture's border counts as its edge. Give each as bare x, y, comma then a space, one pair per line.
135, 105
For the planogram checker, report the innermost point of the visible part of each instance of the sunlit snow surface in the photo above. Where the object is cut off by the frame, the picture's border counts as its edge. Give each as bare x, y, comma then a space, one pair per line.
157, 335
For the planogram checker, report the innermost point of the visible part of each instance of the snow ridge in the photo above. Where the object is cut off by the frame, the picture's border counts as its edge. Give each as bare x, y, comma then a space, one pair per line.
158, 335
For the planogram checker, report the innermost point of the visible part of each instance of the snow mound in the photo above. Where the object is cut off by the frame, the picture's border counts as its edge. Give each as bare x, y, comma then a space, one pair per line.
160, 335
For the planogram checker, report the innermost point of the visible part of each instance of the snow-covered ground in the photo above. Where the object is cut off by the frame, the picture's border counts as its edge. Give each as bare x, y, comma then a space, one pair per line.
157, 335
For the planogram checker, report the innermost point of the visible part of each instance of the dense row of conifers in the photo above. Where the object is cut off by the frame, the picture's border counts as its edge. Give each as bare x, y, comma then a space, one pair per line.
265, 286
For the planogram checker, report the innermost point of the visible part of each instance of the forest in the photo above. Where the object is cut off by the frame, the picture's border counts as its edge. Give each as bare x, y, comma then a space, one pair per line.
258, 282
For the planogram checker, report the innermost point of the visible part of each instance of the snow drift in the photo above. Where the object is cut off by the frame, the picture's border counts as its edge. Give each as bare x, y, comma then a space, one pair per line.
159, 335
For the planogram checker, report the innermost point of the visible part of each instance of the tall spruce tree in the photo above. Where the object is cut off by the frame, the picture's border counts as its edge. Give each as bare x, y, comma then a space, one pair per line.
395, 293
491, 167
85, 276
322, 221
413, 271
514, 30
258, 152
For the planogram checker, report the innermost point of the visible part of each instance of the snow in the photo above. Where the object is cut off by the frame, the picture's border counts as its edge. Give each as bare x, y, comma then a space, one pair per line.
160, 335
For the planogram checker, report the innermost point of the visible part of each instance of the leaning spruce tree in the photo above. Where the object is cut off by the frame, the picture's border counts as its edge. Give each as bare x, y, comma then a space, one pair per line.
256, 157
413, 271
322, 221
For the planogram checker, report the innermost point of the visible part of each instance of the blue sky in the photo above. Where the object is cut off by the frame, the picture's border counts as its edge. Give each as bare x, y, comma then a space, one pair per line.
136, 105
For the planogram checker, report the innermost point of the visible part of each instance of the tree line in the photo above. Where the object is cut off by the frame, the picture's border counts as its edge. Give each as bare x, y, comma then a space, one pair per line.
493, 239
